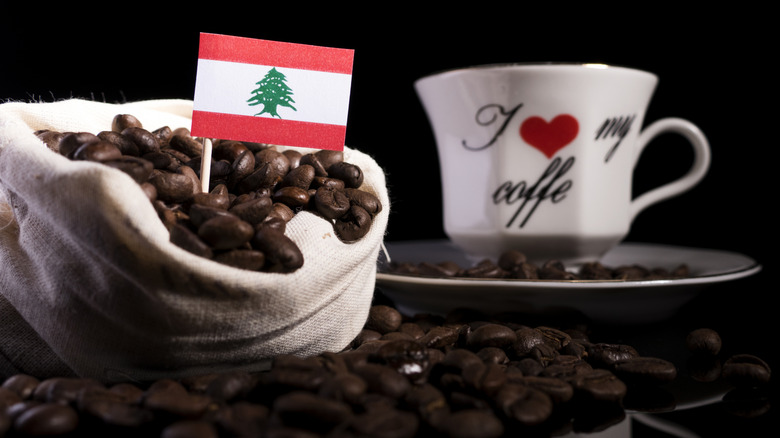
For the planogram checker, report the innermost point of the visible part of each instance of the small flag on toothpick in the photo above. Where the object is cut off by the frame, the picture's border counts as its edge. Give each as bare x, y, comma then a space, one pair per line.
270, 92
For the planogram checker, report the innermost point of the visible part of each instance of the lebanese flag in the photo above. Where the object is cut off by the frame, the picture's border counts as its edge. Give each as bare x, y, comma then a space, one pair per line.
271, 92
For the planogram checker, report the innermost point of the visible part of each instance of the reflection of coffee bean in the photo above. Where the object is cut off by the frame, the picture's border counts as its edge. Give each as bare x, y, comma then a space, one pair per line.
260, 185
645, 370
599, 385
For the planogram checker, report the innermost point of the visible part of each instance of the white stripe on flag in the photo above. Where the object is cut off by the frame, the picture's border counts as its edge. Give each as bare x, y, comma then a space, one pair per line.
226, 87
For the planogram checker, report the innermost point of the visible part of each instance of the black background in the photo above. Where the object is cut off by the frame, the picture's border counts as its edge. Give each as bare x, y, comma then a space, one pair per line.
714, 68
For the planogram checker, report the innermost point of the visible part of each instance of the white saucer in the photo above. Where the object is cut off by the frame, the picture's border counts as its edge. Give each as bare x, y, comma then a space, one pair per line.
618, 302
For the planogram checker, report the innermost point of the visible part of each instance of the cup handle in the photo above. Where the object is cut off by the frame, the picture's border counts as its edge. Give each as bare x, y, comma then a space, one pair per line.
701, 161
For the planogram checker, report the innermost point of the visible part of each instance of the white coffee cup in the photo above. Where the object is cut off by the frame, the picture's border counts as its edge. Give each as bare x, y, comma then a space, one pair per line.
540, 157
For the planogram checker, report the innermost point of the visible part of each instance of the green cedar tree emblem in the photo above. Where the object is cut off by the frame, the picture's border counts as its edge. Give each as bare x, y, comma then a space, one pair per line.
271, 92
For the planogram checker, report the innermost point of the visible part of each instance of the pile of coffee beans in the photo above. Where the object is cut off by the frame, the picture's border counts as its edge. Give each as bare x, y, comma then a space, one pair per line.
460, 375
514, 264
254, 190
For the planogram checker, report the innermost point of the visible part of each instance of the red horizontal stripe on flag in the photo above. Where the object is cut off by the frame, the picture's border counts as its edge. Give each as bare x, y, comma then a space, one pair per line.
278, 54
268, 130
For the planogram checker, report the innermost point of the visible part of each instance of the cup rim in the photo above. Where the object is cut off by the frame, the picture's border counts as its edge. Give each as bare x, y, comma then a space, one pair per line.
543, 65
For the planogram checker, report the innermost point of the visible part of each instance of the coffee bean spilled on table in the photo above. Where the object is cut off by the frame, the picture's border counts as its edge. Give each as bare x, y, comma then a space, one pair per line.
459, 375
254, 190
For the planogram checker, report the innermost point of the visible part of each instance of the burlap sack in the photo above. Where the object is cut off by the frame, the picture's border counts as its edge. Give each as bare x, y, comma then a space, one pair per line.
92, 286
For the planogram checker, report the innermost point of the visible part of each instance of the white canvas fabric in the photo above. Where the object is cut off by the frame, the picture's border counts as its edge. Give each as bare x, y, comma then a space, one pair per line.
90, 284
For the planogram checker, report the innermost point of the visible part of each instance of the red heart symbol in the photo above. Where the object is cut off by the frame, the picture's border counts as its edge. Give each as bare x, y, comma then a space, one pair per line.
551, 137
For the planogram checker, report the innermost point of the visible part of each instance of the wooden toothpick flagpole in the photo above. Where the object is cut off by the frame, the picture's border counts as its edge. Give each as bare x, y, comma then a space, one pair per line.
205, 166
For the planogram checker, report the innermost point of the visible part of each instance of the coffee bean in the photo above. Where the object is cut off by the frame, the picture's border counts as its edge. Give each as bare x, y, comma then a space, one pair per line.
227, 387
138, 169
242, 419
276, 162
605, 354
527, 405
300, 177
554, 270
419, 376
559, 391
50, 138
330, 202
173, 187
71, 141
329, 157
440, 336
281, 211
113, 407
144, 140
408, 357
122, 121
510, 260
293, 156
198, 214
47, 419
746, 370
293, 197
630, 272
595, 271
62, 389
186, 145
353, 225
166, 163
485, 269
246, 259
304, 409
218, 197
21, 384
226, 232
126, 146
366, 200
343, 386
97, 151
313, 160
172, 398
703, 341
282, 253
527, 339
351, 174
163, 134
383, 319
188, 240
554, 337
493, 355
491, 335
